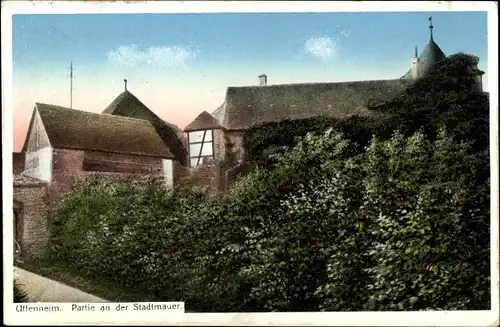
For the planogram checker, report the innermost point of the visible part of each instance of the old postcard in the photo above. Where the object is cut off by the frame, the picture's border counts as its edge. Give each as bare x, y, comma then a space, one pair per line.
250, 163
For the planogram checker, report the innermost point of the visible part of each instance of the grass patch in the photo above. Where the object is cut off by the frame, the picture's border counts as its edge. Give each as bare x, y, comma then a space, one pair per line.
20, 295
108, 290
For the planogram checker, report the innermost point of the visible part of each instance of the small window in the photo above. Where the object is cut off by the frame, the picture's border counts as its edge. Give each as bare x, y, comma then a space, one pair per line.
201, 146
196, 137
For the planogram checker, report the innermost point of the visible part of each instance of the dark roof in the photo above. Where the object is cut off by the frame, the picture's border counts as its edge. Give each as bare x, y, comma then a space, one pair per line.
431, 55
76, 129
125, 103
23, 180
128, 105
202, 122
253, 105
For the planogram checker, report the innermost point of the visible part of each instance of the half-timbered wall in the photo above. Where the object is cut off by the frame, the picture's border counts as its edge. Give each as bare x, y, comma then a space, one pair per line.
201, 147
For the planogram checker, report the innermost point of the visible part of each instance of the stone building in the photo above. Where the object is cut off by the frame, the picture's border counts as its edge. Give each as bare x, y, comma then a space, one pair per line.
64, 146
215, 140
432, 54
128, 105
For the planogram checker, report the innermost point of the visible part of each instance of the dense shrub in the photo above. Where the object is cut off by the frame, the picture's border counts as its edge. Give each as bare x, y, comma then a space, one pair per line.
330, 218
390, 229
401, 226
137, 232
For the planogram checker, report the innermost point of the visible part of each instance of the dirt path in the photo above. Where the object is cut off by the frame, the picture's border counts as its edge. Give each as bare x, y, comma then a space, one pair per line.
42, 289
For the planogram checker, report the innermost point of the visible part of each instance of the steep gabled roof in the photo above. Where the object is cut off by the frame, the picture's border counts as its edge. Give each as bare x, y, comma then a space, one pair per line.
125, 104
202, 122
82, 130
248, 106
128, 105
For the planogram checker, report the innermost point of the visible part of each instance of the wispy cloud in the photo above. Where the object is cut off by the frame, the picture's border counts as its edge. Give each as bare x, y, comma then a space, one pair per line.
322, 47
157, 57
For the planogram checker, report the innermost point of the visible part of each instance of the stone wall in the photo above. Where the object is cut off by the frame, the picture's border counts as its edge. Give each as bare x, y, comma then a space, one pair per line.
210, 175
67, 169
220, 144
220, 174
71, 166
34, 229
234, 143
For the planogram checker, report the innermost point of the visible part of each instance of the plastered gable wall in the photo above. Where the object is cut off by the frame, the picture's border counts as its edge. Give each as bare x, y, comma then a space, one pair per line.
38, 157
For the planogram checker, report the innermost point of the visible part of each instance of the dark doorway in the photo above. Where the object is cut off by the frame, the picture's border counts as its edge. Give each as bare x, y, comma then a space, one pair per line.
18, 226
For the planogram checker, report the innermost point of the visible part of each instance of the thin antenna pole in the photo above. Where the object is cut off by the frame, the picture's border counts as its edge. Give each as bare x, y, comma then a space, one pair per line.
431, 27
71, 85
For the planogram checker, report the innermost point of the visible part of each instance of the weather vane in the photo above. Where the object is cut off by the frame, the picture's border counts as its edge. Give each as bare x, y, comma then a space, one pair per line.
431, 27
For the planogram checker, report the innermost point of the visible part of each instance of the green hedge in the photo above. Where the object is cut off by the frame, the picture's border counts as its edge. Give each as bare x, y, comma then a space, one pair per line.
393, 228
331, 218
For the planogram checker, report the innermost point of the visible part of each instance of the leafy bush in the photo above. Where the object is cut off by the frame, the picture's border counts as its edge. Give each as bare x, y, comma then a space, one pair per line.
389, 229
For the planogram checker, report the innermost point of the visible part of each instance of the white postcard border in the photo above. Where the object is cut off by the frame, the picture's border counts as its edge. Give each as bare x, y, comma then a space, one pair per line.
434, 318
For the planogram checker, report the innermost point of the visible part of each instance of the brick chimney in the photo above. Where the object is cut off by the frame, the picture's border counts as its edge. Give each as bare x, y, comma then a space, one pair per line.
263, 80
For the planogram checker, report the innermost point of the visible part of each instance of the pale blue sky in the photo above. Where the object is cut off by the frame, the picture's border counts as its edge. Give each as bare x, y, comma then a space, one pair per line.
181, 64
244, 39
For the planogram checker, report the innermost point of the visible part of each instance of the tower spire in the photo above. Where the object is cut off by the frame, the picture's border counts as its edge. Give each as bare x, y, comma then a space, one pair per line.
416, 52
431, 27
125, 80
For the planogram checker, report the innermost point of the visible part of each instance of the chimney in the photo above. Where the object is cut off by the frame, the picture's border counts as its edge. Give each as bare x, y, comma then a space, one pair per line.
263, 80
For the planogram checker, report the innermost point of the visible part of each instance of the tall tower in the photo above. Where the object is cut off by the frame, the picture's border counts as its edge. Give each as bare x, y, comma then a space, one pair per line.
431, 55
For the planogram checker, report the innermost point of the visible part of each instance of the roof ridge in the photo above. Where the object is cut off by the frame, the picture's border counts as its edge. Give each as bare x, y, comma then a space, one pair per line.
52, 106
315, 83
